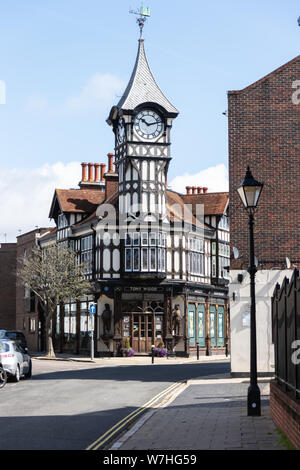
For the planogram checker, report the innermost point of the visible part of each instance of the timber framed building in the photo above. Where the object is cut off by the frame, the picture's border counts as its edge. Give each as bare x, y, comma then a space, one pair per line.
150, 251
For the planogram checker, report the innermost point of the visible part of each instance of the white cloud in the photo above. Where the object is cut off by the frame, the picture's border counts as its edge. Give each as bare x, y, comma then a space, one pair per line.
214, 178
98, 92
26, 195
35, 104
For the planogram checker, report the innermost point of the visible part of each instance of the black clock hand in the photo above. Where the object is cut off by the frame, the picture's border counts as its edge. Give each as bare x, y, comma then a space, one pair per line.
150, 123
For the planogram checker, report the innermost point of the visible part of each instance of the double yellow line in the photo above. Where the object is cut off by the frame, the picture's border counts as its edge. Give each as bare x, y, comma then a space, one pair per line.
125, 421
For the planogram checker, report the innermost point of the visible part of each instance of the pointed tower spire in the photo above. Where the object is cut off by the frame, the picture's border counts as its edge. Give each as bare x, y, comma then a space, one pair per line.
142, 87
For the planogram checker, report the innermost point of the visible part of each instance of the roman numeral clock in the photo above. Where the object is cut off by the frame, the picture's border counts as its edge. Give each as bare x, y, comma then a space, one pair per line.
141, 122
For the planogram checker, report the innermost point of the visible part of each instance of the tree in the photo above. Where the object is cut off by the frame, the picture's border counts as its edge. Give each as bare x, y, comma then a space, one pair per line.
55, 276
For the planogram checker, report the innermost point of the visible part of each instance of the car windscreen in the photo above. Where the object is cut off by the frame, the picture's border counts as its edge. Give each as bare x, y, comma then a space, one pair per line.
10, 335
4, 347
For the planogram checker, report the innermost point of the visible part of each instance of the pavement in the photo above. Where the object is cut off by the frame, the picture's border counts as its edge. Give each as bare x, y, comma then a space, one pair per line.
207, 413
135, 360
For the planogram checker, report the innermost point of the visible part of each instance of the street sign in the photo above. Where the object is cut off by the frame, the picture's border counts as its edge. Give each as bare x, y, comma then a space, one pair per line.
92, 309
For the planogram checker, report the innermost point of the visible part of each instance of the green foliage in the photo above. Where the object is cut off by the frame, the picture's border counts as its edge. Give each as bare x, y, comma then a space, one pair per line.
283, 441
55, 276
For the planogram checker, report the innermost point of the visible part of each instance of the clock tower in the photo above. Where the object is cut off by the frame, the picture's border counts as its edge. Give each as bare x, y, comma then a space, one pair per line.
141, 122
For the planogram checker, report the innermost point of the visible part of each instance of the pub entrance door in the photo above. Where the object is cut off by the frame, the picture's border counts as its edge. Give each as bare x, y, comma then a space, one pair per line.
142, 333
143, 328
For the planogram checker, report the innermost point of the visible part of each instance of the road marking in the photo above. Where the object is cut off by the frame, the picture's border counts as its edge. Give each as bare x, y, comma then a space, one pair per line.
166, 402
125, 421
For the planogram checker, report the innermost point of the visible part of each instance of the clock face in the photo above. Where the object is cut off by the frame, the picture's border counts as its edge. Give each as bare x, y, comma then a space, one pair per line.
121, 131
148, 124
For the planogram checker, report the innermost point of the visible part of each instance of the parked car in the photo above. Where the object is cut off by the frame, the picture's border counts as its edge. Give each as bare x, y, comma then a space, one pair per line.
14, 335
15, 360
3, 376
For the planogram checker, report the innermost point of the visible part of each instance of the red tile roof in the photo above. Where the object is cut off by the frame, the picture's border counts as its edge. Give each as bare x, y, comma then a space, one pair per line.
214, 203
79, 200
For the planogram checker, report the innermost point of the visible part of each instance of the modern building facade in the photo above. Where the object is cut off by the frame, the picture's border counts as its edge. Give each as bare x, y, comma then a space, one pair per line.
264, 134
158, 260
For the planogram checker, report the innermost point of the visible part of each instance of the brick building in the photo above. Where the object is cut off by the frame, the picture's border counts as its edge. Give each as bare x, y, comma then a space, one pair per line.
8, 253
264, 133
27, 314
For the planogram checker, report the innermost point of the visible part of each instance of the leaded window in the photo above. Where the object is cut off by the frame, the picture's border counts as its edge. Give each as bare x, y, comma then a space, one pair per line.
145, 251
196, 256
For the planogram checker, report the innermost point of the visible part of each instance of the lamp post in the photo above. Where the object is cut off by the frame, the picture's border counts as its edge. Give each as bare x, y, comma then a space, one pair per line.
249, 191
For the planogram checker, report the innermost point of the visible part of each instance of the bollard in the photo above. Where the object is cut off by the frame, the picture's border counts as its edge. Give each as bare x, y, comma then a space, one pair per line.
198, 351
226, 347
92, 345
207, 346
152, 353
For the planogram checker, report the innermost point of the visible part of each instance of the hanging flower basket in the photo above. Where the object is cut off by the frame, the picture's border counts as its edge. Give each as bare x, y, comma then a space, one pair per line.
160, 352
127, 352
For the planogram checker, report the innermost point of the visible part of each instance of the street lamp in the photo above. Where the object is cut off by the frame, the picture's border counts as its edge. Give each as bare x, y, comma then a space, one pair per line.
249, 191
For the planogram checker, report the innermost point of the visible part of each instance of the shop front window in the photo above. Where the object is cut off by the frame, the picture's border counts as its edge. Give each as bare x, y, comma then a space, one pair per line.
70, 326
86, 324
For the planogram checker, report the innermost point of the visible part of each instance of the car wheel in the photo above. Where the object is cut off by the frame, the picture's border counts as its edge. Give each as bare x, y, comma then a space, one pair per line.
29, 373
3, 377
17, 374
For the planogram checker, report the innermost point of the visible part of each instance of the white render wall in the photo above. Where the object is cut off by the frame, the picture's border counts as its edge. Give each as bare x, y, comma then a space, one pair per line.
265, 281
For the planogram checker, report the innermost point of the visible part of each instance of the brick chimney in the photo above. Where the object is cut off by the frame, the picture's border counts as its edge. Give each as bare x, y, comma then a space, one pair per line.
111, 178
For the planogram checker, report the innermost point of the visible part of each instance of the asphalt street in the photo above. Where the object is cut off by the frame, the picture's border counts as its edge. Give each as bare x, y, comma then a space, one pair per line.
67, 406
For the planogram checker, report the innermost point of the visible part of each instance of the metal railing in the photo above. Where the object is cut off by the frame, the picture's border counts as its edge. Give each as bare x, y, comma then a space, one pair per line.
286, 333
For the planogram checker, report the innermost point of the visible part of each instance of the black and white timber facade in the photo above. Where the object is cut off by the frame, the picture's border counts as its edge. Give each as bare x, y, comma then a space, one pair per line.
150, 252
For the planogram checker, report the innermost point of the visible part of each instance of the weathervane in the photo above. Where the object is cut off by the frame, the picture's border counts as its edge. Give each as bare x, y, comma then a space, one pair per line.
143, 13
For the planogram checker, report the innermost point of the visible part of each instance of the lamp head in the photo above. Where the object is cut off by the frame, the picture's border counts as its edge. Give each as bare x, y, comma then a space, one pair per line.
249, 191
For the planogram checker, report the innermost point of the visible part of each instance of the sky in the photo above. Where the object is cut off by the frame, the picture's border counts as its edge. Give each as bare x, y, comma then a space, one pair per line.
64, 63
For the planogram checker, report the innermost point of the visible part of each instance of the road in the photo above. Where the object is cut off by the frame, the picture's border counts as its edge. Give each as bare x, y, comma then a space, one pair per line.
68, 405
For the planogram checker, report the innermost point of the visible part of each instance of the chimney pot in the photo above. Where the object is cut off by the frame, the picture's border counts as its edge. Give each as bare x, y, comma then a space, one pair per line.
188, 189
91, 167
194, 189
205, 190
110, 162
199, 190
103, 166
84, 175
97, 172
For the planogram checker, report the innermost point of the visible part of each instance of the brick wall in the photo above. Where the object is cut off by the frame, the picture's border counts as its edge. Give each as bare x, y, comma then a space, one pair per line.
264, 133
8, 285
24, 318
285, 412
